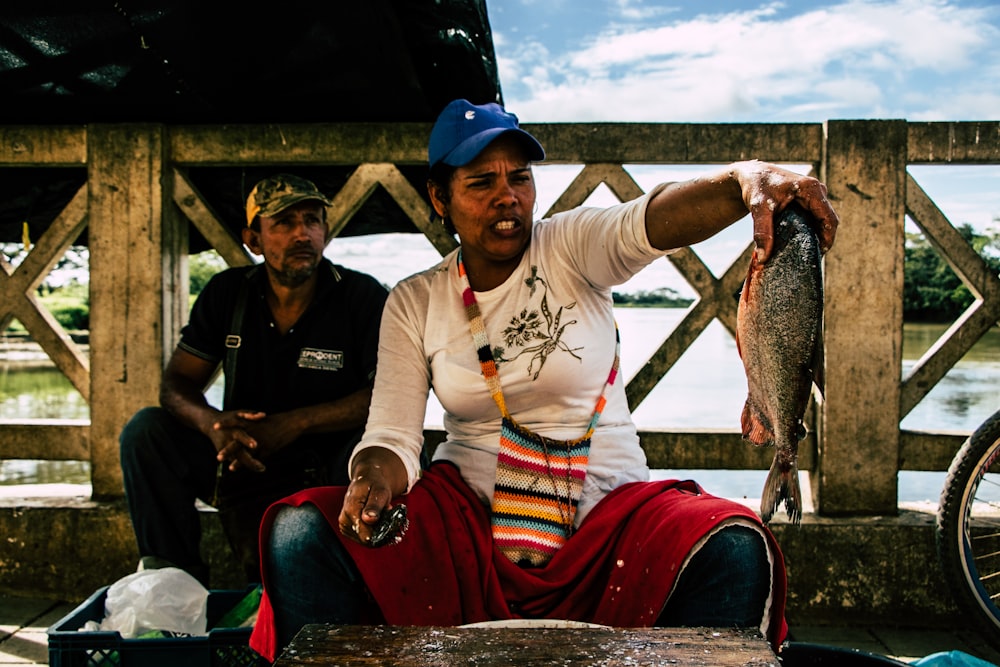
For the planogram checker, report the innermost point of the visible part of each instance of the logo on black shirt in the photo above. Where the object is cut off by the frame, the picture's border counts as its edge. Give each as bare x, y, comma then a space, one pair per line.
321, 360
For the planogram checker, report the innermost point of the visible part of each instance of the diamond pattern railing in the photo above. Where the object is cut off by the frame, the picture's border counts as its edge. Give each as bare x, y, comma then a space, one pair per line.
18, 300
977, 318
715, 294
377, 153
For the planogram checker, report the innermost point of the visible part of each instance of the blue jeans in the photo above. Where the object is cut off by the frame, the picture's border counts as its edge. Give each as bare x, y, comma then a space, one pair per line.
725, 584
312, 579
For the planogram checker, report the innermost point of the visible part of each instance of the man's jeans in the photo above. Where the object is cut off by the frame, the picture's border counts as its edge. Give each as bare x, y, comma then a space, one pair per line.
312, 579
166, 466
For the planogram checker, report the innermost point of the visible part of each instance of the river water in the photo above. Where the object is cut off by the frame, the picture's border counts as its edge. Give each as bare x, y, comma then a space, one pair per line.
705, 388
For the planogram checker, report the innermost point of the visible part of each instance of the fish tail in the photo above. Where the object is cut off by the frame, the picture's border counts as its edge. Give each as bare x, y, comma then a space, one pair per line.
782, 485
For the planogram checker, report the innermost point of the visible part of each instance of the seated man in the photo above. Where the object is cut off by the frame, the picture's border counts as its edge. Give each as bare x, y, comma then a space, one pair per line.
297, 337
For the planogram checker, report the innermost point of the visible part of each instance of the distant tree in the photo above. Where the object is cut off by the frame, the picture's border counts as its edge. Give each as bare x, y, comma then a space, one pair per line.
202, 267
662, 297
69, 304
932, 292
65, 291
74, 264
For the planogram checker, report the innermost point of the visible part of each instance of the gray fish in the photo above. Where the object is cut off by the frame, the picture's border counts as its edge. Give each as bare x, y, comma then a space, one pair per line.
777, 335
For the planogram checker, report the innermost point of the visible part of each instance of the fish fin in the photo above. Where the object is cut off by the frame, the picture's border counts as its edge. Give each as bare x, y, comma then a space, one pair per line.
818, 366
742, 297
755, 430
781, 485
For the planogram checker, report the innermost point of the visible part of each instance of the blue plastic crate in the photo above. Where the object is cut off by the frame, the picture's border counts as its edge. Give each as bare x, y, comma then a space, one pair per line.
223, 647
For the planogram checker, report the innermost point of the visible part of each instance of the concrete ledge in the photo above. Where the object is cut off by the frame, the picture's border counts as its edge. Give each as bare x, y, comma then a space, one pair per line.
852, 570
866, 570
65, 548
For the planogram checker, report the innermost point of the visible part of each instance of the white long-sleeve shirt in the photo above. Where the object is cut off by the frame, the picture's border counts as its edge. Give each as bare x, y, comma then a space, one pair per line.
551, 326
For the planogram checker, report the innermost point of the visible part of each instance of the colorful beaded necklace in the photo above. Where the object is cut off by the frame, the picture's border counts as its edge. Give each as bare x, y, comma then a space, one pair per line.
531, 520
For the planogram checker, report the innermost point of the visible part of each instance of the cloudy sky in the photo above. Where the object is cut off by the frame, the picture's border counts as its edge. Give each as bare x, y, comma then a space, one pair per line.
739, 61
745, 61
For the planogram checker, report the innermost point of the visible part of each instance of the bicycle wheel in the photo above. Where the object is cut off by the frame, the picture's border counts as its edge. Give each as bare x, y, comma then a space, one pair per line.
968, 528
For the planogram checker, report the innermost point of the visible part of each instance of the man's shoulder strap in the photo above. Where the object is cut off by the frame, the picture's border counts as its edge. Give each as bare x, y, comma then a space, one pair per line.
233, 339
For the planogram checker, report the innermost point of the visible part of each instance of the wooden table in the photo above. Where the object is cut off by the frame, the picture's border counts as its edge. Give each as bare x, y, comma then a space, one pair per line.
409, 646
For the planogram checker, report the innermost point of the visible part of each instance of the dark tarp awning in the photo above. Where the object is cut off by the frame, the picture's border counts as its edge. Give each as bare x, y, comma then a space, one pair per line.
177, 62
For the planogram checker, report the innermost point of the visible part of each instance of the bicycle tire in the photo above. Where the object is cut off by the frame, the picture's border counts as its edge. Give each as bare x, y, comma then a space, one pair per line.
967, 534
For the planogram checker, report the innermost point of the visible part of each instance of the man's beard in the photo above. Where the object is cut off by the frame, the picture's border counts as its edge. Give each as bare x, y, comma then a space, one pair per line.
294, 277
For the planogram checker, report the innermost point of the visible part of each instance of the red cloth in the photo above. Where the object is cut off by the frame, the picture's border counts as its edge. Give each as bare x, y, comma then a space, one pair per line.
618, 569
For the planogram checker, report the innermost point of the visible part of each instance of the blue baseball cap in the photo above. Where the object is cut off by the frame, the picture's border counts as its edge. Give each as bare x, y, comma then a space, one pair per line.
463, 130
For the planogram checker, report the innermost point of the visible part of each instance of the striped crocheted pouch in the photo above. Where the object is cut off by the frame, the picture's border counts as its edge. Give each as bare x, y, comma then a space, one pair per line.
538, 480
538, 487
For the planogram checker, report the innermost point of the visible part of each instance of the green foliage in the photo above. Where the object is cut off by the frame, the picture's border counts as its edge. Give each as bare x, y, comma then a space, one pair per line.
69, 304
932, 292
202, 267
663, 297
15, 328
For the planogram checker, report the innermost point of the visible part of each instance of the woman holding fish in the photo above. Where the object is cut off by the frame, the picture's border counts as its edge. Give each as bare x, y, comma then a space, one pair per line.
538, 504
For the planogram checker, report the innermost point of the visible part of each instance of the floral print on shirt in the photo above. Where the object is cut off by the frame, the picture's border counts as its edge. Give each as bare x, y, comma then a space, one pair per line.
535, 331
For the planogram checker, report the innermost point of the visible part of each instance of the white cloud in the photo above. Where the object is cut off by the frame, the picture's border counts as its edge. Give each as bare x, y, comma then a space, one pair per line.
933, 35
633, 10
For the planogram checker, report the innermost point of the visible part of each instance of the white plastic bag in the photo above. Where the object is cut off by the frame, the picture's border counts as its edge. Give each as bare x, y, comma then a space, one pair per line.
167, 599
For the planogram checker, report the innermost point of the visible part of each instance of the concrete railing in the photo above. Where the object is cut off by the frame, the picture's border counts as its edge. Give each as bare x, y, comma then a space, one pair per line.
139, 193
140, 199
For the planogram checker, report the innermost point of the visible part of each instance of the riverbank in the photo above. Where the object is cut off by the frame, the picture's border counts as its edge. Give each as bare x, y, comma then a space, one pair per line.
19, 350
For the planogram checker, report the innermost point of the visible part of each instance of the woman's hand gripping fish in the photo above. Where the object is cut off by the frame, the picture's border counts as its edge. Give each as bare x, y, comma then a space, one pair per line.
777, 335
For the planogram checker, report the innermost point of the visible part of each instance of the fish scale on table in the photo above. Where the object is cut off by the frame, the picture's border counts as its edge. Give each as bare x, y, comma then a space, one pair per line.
778, 336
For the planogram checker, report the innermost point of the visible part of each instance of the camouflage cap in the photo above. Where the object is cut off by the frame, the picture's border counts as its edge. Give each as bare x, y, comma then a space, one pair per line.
273, 195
